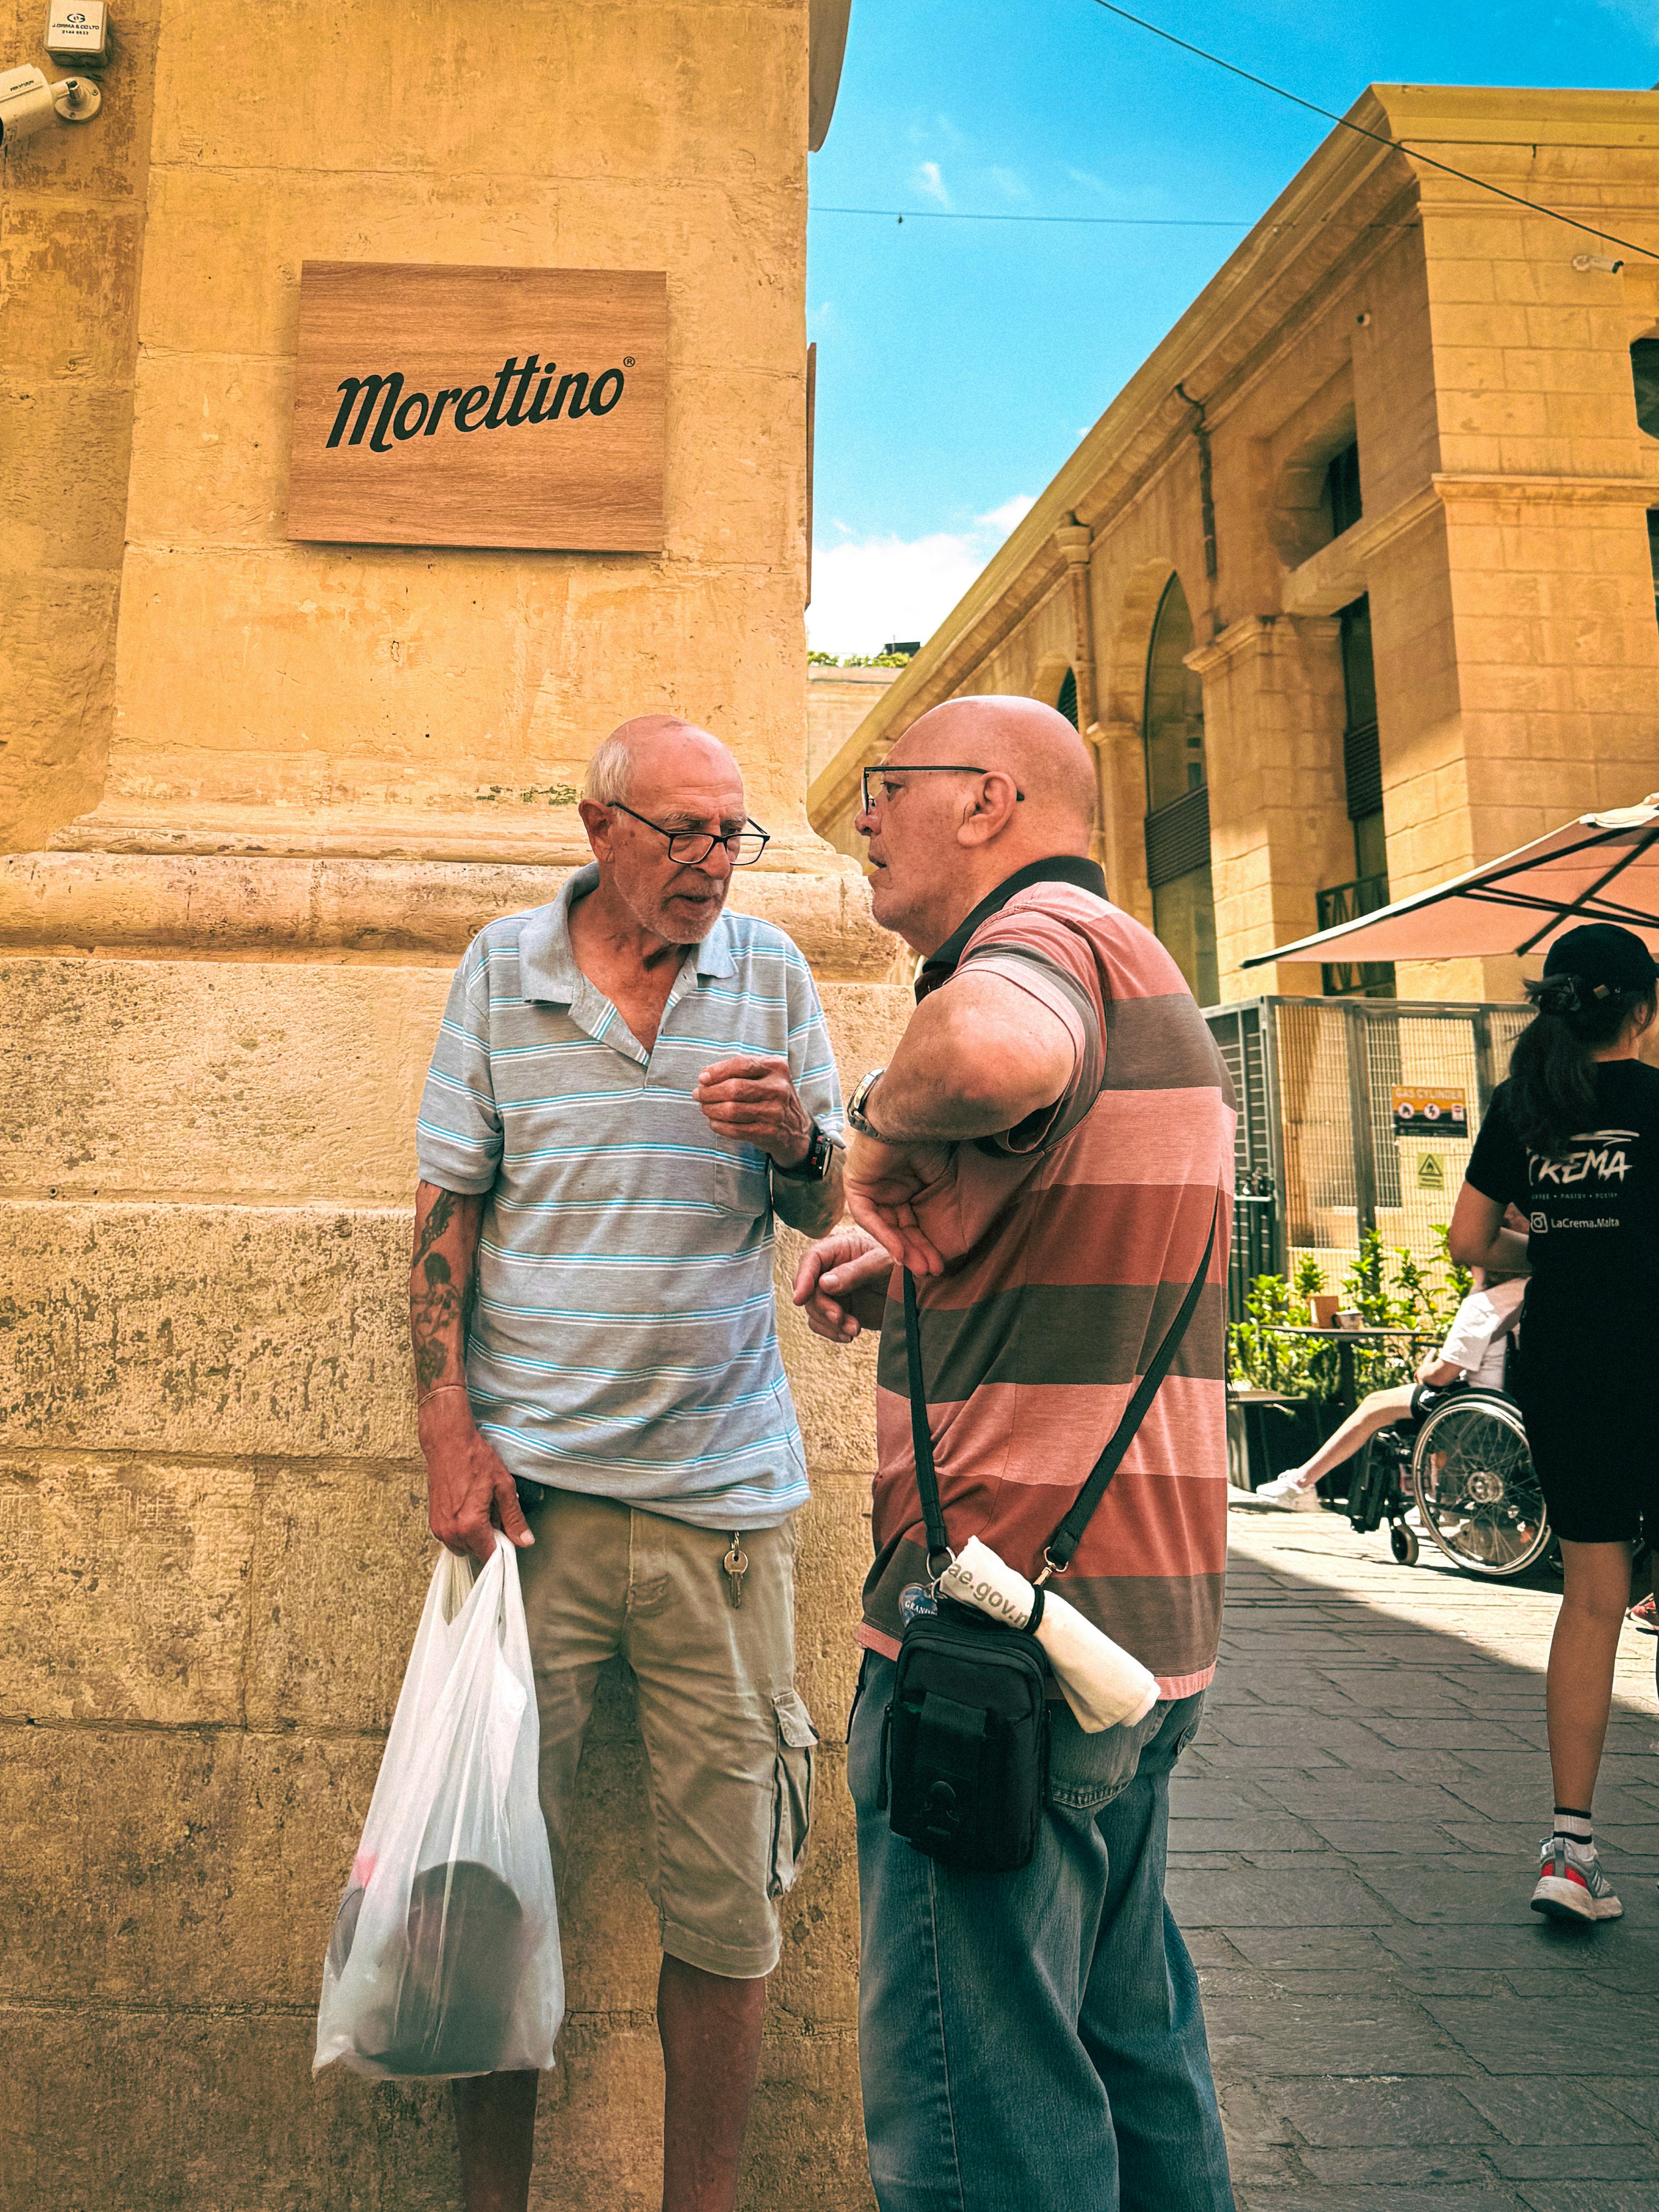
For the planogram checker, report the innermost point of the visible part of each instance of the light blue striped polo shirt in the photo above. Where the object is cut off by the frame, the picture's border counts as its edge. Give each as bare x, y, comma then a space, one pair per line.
624, 1341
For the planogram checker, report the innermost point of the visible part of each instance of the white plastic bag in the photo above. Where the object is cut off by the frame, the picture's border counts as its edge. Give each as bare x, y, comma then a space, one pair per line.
445, 1956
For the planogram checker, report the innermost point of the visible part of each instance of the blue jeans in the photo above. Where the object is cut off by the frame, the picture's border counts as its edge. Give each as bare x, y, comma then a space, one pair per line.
1036, 2039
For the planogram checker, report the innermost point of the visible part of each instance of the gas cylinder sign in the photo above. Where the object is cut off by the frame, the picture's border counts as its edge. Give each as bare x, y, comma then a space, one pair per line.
1420, 1112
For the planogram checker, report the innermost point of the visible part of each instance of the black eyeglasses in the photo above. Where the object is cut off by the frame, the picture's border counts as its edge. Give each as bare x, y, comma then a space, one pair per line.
692, 848
883, 770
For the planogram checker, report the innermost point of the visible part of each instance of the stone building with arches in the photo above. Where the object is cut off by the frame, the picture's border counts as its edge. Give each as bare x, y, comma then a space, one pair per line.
1351, 588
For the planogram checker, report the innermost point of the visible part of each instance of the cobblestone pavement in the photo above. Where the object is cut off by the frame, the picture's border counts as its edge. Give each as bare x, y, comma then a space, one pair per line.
1351, 1855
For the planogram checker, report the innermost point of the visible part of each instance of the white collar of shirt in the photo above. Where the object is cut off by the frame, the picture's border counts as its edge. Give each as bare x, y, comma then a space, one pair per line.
547, 964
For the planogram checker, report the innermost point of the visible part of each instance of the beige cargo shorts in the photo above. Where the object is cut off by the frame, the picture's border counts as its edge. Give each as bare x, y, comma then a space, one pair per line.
729, 1748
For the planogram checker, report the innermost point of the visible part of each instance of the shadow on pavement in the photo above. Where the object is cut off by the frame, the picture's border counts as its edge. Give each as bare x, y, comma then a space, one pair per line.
1352, 1849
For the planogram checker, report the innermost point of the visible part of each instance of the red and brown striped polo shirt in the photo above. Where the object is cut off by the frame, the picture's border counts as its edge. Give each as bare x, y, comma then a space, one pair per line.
1070, 1244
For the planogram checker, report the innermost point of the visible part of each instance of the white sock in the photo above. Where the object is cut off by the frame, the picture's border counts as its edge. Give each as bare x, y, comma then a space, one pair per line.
1575, 1830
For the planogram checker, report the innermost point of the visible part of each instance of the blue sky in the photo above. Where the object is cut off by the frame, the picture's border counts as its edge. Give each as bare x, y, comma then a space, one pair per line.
960, 362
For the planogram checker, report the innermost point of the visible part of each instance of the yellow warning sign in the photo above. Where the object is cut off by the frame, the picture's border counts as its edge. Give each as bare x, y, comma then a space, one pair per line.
1420, 1112
1431, 1175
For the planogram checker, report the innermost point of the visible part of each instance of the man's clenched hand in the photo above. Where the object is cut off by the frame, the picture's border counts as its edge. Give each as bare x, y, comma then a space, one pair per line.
843, 1283
470, 1494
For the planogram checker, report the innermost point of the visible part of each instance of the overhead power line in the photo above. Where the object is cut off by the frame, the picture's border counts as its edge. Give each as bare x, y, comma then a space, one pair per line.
1116, 222
1378, 137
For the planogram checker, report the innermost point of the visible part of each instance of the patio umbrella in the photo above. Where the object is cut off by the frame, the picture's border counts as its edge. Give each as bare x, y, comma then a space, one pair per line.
1603, 867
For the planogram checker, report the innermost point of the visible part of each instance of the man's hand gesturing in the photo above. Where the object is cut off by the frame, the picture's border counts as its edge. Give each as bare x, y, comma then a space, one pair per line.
470, 1494
752, 1101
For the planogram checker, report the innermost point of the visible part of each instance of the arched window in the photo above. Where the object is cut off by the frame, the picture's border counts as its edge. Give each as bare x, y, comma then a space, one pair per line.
1066, 703
1177, 801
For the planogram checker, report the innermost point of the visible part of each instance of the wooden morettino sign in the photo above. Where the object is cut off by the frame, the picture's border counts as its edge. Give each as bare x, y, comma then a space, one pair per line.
466, 406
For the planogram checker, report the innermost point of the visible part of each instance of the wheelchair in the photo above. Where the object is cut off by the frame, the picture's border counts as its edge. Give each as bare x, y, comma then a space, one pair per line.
1460, 1460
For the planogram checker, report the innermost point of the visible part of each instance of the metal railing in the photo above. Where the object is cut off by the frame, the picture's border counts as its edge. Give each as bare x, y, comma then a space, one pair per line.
1319, 1160
1355, 979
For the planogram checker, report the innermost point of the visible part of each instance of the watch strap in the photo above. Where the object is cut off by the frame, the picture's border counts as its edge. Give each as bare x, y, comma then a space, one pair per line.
856, 1116
815, 1166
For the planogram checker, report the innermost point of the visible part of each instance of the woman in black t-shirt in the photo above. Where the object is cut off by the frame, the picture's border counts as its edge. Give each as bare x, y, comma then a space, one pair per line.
1572, 1139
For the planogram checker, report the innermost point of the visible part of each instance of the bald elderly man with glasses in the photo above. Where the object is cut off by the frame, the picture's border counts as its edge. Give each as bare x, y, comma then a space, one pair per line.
628, 1086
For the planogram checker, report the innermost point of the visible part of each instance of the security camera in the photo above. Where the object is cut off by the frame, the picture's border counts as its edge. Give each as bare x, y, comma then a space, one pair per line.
1582, 262
28, 103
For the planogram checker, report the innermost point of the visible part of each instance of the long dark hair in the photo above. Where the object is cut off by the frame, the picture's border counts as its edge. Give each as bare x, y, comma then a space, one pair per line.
1551, 1071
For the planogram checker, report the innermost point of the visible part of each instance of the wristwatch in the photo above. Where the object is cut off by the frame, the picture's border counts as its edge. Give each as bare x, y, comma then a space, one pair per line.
820, 1155
856, 1104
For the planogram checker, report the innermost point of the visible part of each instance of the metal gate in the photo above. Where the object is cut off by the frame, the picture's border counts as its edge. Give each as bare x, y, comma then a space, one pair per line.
1321, 1156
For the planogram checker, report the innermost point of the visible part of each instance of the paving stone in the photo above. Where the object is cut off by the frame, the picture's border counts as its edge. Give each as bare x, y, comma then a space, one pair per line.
1312, 1899
1366, 1799
1499, 1800
1415, 2166
1550, 2110
1547, 2035
1362, 2199
1199, 1799
1462, 1886
1531, 1944
1577, 2162
1362, 2034
1452, 1733
1258, 1831
1268, 1729
1263, 1765
1640, 2099
1396, 1838
1359, 2114
1582, 2196
1286, 1947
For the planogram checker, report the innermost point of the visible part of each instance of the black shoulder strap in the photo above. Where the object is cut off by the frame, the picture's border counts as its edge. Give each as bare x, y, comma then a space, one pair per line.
921, 1437
1063, 1543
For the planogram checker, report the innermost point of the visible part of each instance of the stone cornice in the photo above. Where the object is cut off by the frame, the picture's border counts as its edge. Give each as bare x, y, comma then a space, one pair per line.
254, 906
1336, 575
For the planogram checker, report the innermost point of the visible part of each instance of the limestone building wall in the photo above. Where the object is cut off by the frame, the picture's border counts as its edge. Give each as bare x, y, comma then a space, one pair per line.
837, 701
222, 957
1503, 545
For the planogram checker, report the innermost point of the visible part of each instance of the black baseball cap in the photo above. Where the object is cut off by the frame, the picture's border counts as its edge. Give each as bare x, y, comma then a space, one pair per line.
1603, 956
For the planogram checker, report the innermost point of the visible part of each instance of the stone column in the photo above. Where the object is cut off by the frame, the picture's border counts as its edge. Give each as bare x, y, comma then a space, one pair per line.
224, 964
1272, 737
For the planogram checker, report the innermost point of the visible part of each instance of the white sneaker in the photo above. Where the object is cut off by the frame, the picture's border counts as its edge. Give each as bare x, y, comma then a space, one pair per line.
1571, 1885
1289, 1494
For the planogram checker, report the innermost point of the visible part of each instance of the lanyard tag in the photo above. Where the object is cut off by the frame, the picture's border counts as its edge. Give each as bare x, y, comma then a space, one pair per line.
915, 1601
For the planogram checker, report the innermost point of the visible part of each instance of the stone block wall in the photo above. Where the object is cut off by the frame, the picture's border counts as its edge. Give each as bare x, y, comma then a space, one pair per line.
244, 846
213, 1553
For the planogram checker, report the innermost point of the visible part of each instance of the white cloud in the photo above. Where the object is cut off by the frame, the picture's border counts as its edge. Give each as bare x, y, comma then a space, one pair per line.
869, 590
927, 180
1009, 183
1006, 518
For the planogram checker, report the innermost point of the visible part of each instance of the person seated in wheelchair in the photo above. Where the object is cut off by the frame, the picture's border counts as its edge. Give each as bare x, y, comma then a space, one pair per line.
1473, 1354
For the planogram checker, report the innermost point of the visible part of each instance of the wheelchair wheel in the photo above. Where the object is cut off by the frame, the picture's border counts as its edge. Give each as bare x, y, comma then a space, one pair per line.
1402, 1542
1477, 1494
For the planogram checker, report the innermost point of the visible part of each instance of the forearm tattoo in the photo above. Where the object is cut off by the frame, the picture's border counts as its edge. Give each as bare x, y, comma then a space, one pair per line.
439, 1308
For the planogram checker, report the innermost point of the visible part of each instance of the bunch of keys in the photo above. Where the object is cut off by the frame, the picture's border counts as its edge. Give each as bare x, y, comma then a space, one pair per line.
736, 1564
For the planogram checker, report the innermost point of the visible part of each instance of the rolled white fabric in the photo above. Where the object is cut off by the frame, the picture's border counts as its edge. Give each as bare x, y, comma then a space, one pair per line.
1104, 1684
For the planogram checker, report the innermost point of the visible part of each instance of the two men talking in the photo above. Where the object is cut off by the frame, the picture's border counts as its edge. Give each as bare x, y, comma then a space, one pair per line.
630, 1083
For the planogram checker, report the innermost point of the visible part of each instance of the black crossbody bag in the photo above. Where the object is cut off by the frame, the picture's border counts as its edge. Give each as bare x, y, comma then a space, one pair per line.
965, 1739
